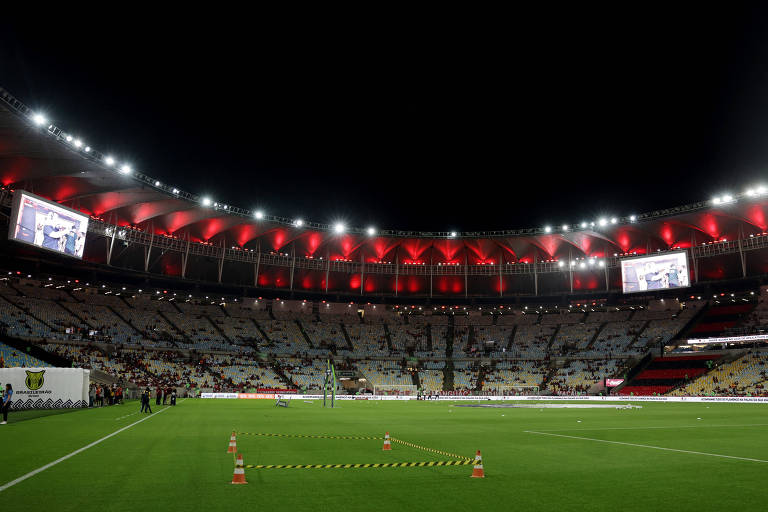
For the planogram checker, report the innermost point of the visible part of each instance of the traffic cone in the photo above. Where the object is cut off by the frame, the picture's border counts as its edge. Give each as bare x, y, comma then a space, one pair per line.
478, 472
239, 476
387, 444
232, 443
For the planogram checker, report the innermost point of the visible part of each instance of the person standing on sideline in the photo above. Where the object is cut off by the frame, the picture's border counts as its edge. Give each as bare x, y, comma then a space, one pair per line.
145, 401
7, 398
158, 395
173, 396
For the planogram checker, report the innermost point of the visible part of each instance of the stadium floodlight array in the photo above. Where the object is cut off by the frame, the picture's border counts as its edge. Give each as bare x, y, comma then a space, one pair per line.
40, 120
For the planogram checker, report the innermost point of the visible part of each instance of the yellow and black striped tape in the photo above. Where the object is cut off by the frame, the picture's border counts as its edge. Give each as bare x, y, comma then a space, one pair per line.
264, 434
463, 462
432, 450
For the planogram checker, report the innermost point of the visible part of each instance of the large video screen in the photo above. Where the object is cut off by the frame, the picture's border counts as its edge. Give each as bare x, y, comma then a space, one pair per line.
47, 225
668, 270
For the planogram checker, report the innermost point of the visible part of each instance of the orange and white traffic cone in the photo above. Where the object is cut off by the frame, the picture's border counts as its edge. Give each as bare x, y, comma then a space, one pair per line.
478, 472
232, 443
239, 476
387, 444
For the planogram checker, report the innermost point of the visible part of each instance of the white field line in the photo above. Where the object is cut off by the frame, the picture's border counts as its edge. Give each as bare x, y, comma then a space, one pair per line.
647, 446
654, 428
126, 416
79, 450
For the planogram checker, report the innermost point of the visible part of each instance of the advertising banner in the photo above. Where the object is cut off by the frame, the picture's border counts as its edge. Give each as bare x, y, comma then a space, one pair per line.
47, 388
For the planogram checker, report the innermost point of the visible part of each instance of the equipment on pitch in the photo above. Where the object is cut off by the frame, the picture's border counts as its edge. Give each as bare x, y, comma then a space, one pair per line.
330, 383
477, 471
387, 444
281, 403
232, 443
239, 476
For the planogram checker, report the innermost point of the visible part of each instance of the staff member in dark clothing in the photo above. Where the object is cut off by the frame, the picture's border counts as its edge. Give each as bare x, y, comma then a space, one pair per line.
7, 397
173, 397
145, 402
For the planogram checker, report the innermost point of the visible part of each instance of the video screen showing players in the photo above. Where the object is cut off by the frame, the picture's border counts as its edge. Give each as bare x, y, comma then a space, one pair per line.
47, 225
660, 272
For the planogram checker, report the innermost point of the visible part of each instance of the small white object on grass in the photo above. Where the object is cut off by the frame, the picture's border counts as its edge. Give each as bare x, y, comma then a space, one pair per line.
698, 418
578, 421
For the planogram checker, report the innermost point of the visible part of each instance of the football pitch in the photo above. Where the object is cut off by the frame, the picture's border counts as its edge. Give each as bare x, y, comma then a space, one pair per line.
662, 456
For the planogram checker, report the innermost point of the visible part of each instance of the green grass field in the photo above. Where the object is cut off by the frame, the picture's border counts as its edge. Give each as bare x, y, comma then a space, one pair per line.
177, 460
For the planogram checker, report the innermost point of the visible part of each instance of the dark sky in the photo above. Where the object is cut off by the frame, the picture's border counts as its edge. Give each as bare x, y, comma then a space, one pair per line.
429, 121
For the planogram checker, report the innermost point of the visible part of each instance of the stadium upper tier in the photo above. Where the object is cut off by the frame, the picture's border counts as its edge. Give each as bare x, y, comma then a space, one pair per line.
160, 229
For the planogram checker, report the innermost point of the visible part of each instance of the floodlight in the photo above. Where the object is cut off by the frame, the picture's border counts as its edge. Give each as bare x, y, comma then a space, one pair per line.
371, 231
39, 119
259, 214
298, 222
206, 201
547, 229
339, 227
125, 169
565, 227
109, 161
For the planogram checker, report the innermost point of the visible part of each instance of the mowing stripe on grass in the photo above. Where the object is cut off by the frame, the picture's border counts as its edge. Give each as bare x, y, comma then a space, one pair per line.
464, 462
79, 450
648, 446
264, 434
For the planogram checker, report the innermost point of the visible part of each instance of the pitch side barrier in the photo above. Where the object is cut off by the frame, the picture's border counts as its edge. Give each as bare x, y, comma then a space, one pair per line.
622, 398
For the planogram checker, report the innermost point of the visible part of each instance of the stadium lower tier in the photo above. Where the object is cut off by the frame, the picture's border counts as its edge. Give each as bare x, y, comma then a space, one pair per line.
234, 345
666, 373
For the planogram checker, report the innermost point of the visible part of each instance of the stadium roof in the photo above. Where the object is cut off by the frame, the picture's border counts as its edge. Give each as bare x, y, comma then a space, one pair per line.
49, 162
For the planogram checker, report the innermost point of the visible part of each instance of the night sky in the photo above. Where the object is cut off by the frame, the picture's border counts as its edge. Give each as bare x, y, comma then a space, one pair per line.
439, 121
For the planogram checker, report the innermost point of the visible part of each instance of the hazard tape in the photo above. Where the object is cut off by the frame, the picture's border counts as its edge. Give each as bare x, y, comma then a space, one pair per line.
264, 434
431, 450
463, 462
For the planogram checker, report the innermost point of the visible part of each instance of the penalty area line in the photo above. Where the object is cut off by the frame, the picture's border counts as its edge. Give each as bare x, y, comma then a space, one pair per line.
69, 455
691, 452
653, 427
